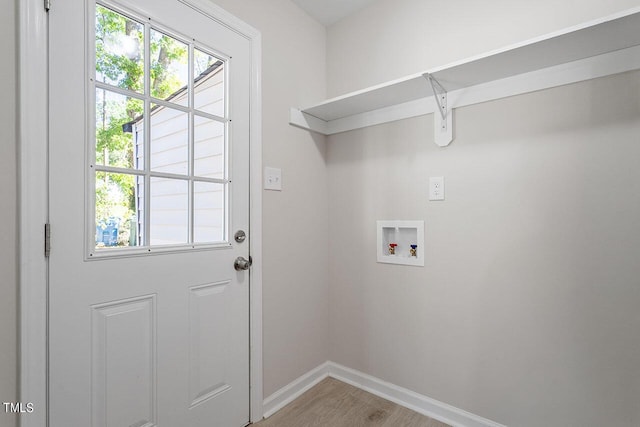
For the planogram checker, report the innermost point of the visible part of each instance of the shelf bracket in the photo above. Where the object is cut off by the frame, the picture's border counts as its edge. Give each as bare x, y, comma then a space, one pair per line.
443, 125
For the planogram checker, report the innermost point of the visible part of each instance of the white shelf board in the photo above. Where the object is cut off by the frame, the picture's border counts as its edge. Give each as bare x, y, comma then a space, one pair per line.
581, 45
388, 94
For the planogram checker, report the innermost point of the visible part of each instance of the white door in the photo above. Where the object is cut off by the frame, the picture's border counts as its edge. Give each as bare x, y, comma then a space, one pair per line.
149, 182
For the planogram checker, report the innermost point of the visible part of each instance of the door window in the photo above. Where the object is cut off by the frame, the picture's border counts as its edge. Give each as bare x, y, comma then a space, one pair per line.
158, 159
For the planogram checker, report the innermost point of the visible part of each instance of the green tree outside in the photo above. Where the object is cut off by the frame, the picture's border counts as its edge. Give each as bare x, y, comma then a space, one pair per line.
120, 61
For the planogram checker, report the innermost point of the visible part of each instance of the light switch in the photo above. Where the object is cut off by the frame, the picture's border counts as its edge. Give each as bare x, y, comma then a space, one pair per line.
436, 188
273, 179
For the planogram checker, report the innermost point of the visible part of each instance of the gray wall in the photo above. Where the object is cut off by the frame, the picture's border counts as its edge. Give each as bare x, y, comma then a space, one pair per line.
296, 239
8, 213
394, 38
526, 311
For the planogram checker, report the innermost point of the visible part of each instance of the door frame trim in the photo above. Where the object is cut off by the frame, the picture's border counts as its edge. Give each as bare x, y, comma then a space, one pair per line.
33, 204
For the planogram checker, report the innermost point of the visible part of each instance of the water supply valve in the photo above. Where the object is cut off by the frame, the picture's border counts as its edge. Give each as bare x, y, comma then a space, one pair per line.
414, 250
392, 248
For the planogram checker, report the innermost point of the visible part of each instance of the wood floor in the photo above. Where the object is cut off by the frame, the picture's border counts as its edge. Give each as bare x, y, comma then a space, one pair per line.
333, 403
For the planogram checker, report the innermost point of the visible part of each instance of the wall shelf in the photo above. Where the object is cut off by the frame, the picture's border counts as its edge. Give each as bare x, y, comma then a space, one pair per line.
598, 48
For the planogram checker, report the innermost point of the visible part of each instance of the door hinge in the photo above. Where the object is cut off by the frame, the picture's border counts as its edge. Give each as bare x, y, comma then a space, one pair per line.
47, 5
47, 240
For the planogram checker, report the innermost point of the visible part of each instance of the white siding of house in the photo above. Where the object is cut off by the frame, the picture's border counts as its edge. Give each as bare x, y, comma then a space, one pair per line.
209, 148
208, 212
209, 95
169, 154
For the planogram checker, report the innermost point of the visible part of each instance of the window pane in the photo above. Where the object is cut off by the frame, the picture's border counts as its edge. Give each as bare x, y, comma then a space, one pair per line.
119, 132
119, 216
169, 211
119, 50
169, 68
209, 212
208, 83
169, 140
209, 159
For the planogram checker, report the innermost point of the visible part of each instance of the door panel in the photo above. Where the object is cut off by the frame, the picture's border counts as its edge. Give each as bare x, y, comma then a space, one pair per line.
208, 311
147, 335
123, 362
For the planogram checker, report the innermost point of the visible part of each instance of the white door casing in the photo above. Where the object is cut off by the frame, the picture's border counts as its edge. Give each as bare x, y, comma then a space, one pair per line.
132, 338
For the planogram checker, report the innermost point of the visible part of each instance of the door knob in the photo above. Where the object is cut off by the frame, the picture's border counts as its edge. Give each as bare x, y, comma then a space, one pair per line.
242, 264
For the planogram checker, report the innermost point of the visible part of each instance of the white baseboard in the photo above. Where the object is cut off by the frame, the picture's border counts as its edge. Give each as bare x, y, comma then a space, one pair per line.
294, 389
422, 404
409, 399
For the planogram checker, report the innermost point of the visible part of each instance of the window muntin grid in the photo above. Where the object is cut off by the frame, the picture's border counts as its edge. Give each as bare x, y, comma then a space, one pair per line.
156, 130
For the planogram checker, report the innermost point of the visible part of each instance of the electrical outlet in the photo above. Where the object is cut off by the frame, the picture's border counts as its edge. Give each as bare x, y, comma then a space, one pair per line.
273, 179
436, 188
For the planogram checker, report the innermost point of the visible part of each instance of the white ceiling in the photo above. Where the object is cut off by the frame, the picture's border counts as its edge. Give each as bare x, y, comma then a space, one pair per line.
328, 12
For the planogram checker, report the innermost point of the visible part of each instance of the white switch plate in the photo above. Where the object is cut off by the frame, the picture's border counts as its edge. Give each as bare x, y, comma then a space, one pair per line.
273, 179
436, 188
